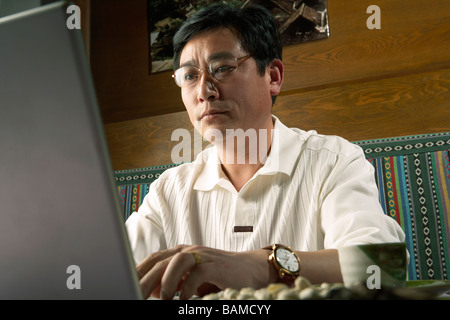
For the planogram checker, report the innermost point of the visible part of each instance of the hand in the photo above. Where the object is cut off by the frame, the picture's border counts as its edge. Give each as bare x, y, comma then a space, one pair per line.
164, 273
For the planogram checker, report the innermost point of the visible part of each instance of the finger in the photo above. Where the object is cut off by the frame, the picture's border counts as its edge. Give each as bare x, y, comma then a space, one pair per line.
148, 263
150, 282
197, 280
180, 265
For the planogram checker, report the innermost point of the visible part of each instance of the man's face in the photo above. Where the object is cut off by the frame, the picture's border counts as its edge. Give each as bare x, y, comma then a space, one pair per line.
242, 101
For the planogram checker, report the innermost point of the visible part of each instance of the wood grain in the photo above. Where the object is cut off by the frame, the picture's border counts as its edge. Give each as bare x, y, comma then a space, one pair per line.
414, 37
144, 142
390, 107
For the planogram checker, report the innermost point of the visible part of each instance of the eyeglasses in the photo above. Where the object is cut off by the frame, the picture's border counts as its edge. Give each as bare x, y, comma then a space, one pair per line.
219, 69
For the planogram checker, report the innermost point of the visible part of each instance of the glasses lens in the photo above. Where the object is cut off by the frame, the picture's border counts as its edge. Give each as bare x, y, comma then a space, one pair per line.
186, 76
223, 68
219, 69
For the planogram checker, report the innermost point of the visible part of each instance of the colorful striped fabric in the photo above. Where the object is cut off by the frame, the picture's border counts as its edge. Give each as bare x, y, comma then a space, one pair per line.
133, 185
413, 177
415, 192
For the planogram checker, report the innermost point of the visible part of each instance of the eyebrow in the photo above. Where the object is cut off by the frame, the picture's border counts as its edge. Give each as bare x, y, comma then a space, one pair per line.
191, 63
220, 55
214, 56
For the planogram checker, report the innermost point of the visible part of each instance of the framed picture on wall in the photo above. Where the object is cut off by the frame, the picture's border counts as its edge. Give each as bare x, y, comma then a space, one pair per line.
298, 21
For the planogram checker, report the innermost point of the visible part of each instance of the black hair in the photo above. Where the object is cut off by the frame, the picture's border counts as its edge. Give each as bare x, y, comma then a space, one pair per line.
254, 27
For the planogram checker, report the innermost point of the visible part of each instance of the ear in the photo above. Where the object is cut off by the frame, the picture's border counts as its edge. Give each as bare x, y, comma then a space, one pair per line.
276, 72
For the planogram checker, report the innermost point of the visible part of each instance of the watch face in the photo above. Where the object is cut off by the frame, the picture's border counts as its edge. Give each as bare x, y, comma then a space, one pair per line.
287, 260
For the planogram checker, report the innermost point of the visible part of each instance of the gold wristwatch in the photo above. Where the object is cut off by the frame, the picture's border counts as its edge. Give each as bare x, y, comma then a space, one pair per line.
285, 261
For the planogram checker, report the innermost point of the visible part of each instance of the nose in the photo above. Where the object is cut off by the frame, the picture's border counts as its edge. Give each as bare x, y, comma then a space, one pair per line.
207, 90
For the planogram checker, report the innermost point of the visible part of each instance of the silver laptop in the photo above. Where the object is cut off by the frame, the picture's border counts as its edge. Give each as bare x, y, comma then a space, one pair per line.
61, 232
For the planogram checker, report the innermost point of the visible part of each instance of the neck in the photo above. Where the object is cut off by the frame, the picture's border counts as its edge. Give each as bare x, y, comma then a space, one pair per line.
242, 154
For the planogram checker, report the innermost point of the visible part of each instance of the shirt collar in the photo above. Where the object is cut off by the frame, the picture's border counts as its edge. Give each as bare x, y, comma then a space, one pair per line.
285, 148
211, 173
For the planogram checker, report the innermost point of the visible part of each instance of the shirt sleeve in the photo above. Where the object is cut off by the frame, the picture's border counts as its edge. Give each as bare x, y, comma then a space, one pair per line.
145, 227
350, 209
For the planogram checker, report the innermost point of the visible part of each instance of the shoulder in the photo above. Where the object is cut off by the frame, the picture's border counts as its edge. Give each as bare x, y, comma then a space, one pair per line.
185, 173
312, 141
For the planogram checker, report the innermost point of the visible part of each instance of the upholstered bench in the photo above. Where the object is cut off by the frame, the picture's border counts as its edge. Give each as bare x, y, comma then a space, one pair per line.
413, 177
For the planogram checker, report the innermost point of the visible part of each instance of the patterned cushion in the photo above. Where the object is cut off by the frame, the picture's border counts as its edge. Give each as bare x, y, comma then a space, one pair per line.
134, 184
413, 177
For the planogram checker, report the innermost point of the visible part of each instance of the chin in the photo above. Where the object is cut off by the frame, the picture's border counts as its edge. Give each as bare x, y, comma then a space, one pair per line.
213, 134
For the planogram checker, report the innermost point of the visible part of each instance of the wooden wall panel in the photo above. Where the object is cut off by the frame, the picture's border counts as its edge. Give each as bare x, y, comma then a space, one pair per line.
414, 37
144, 142
359, 83
120, 64
388, 107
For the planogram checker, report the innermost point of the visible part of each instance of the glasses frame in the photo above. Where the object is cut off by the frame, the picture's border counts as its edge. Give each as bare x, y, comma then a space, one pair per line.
238, 62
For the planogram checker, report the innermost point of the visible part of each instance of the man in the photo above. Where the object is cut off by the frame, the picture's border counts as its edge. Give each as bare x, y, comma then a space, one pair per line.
210, 224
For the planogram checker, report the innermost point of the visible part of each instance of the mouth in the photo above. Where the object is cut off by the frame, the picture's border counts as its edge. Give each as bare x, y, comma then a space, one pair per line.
211, 114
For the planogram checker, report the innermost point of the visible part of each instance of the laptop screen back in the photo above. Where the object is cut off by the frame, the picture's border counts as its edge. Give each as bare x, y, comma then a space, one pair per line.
61, 231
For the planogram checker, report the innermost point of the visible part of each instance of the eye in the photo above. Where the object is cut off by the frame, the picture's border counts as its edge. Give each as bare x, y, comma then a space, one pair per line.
190, 75
223, 69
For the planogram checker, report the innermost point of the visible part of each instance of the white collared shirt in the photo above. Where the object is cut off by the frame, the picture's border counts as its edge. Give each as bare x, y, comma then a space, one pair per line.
314, 192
